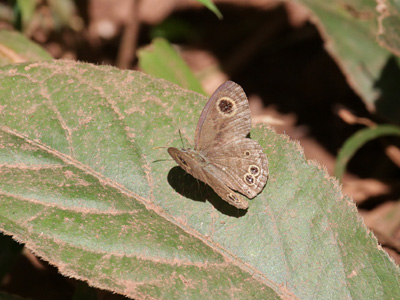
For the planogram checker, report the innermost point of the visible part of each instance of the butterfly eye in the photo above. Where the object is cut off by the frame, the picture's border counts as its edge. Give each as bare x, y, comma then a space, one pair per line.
226, 106
249, 179
183, 162
254, 170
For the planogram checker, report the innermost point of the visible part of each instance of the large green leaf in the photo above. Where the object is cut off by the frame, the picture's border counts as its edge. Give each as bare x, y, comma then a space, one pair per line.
82, 186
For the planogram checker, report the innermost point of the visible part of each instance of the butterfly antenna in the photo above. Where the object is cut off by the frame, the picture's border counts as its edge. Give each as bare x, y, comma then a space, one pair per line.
180, 134
158, 160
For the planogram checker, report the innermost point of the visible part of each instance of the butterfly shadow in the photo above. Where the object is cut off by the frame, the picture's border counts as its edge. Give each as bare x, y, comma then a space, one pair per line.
196, 190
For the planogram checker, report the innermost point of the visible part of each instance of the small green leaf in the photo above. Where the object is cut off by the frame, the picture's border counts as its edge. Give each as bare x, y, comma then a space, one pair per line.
81, 186
161, 60
27, 9
357, 140
64, 14
211, 6
15, 47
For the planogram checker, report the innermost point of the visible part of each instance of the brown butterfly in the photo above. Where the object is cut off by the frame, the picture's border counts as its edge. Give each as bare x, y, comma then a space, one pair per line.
223, 157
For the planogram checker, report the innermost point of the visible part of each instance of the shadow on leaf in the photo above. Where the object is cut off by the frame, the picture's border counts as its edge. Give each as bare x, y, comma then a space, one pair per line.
189, 187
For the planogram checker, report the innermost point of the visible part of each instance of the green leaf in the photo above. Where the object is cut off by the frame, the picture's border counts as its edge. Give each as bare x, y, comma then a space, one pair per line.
357, 140
389, 24
82, 185
350, 32
27, 9
64, 14
211, 6
15, 47
161, 60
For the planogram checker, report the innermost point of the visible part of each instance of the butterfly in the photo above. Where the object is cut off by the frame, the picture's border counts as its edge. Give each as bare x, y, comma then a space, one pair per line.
223, 157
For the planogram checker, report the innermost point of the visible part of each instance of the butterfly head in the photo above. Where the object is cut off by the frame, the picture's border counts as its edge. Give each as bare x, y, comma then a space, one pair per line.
188, 159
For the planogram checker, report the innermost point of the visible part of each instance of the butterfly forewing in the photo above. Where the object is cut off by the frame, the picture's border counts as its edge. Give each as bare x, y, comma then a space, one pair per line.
225, 117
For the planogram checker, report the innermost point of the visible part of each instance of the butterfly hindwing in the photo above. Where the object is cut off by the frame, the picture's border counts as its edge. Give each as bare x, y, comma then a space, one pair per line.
225, 192
188, 160
242, 165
